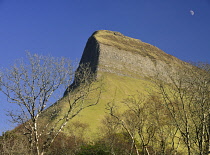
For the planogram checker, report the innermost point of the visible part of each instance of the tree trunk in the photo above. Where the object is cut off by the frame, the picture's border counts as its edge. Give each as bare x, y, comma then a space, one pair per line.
208, 134
36, 138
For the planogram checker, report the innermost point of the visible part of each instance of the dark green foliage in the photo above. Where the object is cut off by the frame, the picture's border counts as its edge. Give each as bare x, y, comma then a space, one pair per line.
117, 143
96, 149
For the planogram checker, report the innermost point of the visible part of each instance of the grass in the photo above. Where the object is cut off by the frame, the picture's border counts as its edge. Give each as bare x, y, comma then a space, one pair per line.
115, 87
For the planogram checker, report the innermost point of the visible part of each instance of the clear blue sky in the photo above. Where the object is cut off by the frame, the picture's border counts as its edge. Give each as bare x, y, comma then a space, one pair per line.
62, 27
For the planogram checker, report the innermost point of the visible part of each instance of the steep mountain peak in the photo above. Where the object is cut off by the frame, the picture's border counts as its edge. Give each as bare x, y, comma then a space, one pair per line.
114, 38
110, 51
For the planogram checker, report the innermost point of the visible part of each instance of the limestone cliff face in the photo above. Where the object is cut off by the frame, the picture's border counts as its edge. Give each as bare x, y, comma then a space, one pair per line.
108, 51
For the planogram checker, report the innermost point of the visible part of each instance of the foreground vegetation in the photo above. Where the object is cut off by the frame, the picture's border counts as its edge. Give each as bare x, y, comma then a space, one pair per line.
160, 118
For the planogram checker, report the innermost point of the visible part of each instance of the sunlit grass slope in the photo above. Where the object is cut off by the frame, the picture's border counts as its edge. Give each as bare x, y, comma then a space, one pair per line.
114, 88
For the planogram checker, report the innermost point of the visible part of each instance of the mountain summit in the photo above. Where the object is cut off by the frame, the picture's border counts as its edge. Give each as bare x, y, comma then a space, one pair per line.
112, 52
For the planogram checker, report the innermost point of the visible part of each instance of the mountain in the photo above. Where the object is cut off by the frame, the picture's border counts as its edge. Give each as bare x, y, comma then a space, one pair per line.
127, 76
112, 52
127, 66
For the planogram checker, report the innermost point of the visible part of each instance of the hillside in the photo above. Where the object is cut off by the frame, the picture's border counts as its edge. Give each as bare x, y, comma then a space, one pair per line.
127, 66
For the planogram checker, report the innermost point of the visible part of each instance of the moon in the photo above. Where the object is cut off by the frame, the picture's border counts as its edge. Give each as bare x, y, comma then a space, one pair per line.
192, 12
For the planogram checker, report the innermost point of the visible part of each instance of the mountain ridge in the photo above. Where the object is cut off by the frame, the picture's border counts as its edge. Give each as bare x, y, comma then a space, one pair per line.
111, 51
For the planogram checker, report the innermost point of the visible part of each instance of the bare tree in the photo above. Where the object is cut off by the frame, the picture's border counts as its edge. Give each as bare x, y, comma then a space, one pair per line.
136, 122
32, 84
78, 96
187, 99
201, 93
120, 120
12, 144
165, 140
148, 124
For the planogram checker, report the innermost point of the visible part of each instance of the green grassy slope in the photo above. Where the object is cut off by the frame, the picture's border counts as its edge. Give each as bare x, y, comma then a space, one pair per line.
114, 87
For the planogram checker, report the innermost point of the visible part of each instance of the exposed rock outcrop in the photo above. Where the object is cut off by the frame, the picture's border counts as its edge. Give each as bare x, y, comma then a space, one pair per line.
109, 51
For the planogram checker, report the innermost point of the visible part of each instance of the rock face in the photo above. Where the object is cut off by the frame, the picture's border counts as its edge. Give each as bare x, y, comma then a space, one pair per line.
109, 51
